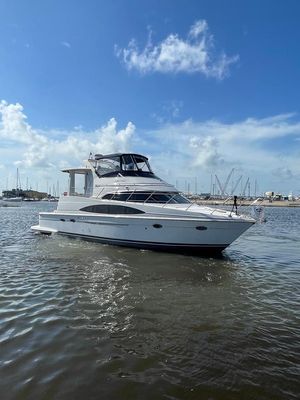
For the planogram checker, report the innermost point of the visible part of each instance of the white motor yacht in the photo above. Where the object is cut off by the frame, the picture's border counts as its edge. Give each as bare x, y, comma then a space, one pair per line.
10, 201
124, 203
16, 199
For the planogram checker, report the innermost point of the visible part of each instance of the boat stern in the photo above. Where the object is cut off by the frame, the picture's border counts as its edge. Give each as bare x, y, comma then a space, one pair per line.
44, 230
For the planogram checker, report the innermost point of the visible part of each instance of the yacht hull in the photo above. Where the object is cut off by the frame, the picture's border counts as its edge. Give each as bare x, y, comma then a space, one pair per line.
193, 235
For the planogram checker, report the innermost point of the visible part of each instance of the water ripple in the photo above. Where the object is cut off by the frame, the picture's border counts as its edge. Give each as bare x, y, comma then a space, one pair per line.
81, 320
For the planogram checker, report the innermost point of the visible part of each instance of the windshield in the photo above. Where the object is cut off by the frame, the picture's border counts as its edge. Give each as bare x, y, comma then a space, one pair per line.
108, 165
128, 164
132, 162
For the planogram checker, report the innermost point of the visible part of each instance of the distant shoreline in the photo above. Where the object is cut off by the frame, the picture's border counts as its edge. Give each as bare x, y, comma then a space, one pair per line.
264, 203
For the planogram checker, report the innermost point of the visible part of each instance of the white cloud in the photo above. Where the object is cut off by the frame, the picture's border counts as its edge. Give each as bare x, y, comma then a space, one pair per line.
198, 28
195, 54
213, 147
206, 152
176, 150
38, 150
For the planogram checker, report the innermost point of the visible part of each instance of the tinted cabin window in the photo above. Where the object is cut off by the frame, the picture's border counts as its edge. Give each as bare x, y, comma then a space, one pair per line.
148, 197
111, 209
128, 196
117, 196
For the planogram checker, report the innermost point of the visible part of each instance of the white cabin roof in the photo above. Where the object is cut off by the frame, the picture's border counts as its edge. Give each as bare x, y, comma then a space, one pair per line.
79, 170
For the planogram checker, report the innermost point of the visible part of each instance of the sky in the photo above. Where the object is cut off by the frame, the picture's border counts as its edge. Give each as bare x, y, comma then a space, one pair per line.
200, 87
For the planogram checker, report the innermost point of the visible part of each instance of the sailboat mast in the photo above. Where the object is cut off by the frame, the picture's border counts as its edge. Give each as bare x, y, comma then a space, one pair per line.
17, 186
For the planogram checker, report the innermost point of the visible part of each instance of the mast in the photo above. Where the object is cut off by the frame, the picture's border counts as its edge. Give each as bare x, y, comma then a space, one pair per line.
17, 185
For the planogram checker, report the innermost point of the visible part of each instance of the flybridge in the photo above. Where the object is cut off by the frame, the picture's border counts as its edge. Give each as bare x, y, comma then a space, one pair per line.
81, 179
124, 164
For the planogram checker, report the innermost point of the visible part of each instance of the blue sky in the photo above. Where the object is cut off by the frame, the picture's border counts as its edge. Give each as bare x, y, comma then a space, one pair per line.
207, 85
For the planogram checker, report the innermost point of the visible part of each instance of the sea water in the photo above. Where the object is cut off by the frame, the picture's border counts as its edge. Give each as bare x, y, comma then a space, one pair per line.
81, 320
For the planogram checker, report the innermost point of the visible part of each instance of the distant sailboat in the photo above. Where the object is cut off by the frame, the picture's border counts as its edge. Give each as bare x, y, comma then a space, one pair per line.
15, 199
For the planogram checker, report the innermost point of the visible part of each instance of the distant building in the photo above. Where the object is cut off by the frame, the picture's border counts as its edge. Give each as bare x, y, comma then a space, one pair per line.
269, 195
